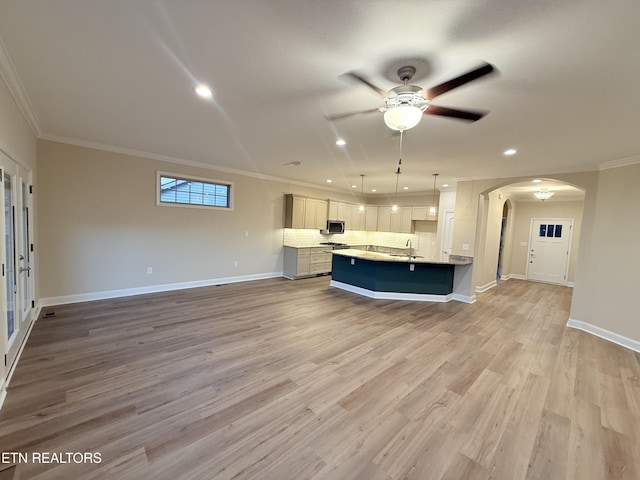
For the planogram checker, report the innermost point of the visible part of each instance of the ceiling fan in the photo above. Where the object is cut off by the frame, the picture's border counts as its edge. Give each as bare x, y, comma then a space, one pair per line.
405, 104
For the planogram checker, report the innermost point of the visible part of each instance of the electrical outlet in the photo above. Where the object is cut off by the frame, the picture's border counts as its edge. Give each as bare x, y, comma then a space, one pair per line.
412, 267
235, 264
246, 233
149, 270
465, 246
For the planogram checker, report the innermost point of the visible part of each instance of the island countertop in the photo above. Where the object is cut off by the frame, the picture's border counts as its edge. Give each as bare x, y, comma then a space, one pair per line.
400, 258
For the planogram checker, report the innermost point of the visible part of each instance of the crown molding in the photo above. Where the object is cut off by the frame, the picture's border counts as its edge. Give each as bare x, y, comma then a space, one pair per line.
622, 162
10, 77
178, 161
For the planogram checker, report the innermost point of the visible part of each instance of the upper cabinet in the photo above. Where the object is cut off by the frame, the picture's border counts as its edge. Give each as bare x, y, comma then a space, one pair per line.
315, 213
371, 218
302, 212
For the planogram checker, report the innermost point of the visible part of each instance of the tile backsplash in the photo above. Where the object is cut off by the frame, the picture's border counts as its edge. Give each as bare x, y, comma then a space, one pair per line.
423, 243
307, 237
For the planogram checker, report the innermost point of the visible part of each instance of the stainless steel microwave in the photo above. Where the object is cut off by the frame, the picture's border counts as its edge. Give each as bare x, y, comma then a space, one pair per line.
334, 226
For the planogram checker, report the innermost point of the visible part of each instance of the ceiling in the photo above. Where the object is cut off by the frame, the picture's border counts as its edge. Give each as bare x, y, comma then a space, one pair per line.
121, 75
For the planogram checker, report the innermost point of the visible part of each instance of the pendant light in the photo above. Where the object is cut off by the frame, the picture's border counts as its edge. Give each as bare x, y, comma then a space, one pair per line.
361, 208
433, 209
394, 208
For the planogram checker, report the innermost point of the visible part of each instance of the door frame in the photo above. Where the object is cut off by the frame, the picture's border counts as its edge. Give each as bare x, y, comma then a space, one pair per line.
570, 245
448, 216
24, 307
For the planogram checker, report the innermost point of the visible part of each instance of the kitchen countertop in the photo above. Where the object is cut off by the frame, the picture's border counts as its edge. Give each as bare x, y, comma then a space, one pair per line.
386, 257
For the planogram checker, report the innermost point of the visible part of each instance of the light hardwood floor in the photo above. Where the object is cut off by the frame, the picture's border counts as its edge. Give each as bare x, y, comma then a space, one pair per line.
282, 379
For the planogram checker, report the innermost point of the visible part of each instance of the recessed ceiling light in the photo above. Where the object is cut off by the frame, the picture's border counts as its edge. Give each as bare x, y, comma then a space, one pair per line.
204, 91
445, 184
537, 180
340, 142
405, 188
373, 190
354, 186
509, 152
329, 180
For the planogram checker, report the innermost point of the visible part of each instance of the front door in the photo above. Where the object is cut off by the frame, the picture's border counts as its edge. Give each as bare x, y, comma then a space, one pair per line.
549, 249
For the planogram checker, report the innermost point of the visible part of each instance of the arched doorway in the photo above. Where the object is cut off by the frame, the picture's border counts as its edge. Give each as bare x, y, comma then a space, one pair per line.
506, 216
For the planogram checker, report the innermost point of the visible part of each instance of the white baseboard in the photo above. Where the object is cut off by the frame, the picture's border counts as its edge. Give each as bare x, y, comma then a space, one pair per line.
484, 288
605, 334
464, 298
515, 276
418, 297
570, 284
127, 292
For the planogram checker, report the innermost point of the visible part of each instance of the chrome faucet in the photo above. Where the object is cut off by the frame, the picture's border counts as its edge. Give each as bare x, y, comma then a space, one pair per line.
408, 244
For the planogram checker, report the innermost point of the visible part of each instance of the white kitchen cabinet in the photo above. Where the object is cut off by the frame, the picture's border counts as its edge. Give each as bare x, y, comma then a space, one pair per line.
356, 219
315, 215
319, 260
294, 211
384, 219
333, 210
305, 262
371, 218
405, 219
296, 262
419, 212
394, 221
302, 212
342, 212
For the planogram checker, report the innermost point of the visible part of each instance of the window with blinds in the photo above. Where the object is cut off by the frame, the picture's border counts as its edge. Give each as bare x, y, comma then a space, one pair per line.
193, 192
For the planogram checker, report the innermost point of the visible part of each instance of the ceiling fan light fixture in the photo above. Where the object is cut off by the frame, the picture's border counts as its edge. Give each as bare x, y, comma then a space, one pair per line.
402, 117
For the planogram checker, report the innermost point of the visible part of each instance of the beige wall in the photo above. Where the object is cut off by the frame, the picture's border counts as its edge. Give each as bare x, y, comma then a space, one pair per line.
100, 228
606, 270
607, 277
17, 140
98, 214
522, 225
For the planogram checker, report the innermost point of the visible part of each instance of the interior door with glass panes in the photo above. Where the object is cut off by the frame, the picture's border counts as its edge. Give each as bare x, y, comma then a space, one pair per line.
15, 258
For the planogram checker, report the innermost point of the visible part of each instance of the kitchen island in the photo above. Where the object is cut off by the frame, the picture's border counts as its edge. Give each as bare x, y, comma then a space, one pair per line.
402, 277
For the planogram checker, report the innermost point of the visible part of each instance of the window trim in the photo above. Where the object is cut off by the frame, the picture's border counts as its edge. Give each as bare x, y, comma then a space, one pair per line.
193, 178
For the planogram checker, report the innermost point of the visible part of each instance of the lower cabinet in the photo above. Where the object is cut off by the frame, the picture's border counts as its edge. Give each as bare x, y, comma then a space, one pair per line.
305, 262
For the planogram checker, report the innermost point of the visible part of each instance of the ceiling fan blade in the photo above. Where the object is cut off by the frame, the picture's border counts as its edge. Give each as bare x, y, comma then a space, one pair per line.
474, 74
468, 115
340, 116
361, 79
